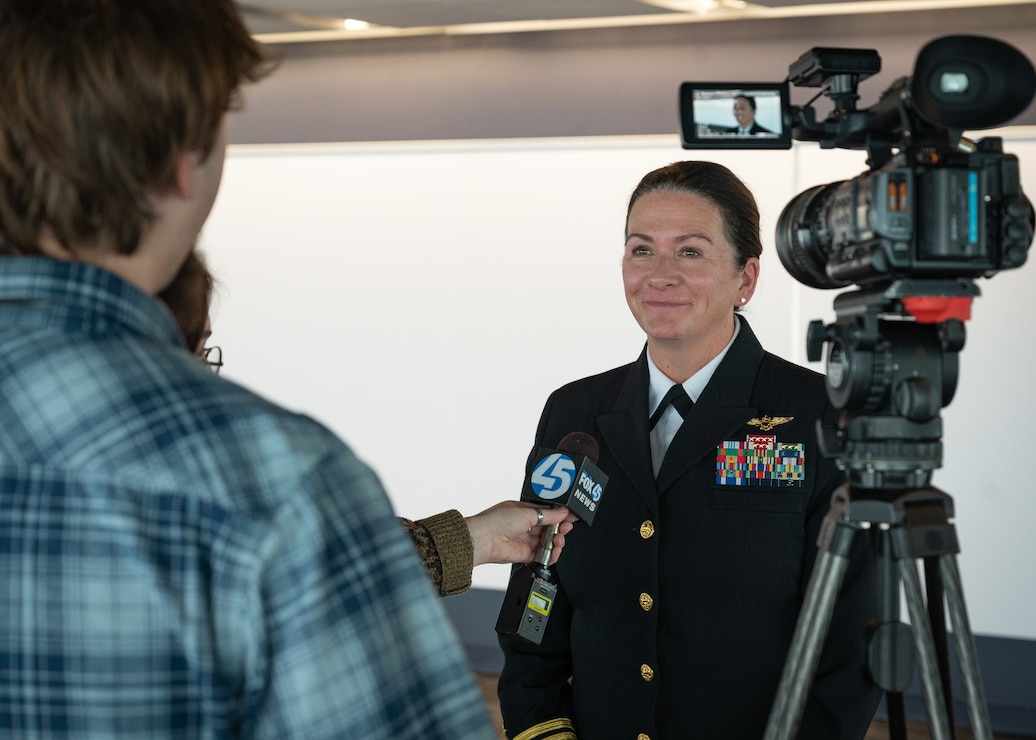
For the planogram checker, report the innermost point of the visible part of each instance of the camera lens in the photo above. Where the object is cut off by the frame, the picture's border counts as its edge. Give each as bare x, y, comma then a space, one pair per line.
803, 240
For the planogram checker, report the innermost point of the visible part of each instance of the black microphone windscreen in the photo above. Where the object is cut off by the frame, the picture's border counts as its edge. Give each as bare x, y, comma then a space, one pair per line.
579, 443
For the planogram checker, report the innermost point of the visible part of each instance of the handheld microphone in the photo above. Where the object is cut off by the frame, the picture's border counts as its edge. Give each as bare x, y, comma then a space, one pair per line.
568, 477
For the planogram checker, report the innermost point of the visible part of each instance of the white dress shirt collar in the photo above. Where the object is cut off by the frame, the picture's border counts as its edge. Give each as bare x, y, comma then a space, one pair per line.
659, 384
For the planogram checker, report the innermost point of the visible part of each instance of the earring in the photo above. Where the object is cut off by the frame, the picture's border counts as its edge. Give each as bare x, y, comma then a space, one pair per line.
743, 300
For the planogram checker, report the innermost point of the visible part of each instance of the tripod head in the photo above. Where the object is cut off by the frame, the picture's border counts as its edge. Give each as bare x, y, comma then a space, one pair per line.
892, 364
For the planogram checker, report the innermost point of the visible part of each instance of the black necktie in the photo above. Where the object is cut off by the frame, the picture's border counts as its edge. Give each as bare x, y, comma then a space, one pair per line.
680, 400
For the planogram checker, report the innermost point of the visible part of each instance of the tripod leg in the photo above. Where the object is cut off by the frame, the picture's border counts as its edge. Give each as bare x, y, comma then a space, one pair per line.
978, 712
937, 619
897, 715
890, 652
810, 632
924, 646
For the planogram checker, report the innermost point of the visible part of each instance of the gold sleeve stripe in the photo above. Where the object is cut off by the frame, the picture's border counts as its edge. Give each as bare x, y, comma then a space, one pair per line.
552, 729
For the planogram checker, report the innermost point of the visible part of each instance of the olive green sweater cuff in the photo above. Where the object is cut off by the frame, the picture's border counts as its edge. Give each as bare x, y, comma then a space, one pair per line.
456, 552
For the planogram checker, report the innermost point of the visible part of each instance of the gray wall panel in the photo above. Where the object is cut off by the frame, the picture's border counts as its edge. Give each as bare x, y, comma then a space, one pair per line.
570, 83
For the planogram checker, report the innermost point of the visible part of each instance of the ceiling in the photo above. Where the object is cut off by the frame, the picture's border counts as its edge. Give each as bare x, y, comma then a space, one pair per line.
284, 21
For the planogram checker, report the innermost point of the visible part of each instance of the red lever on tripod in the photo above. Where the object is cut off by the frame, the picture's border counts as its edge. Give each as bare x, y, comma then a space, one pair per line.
936, 309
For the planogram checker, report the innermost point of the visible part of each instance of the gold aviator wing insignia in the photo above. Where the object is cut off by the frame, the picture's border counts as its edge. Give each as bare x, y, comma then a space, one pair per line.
767, 423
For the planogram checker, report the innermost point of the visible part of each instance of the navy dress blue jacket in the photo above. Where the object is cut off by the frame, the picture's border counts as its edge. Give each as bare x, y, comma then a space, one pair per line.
675, 610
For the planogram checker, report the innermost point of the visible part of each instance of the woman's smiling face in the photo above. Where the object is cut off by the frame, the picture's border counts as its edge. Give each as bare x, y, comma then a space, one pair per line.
679, 272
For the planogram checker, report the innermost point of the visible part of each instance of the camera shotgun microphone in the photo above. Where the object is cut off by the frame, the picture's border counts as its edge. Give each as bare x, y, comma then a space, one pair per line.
567, 476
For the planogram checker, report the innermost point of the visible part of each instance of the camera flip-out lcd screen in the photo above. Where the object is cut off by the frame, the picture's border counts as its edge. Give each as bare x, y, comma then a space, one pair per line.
734, 115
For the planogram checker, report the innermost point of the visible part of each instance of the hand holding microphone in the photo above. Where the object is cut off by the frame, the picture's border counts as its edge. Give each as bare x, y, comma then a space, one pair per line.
513, 532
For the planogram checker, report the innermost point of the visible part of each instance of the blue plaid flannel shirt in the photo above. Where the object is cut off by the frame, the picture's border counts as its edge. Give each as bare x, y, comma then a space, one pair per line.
180, 558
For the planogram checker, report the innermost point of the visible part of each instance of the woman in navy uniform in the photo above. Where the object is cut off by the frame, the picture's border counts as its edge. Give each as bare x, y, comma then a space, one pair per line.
675, 610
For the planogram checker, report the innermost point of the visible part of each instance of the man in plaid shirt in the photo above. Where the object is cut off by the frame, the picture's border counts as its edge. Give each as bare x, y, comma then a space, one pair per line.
178, 557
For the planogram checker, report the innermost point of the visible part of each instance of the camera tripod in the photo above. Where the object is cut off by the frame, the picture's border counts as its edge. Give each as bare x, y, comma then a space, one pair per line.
909, 526
890, 378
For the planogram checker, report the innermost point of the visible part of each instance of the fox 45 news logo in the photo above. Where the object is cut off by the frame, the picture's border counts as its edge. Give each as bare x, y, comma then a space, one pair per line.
556, 479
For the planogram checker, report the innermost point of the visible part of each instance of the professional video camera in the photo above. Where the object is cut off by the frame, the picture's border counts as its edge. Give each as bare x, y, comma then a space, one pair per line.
934, 211
933, 205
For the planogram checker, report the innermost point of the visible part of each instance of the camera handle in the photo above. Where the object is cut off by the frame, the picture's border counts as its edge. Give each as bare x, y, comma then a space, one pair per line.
912, 525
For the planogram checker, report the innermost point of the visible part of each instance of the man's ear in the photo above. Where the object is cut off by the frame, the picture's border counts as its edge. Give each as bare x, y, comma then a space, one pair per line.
183, 174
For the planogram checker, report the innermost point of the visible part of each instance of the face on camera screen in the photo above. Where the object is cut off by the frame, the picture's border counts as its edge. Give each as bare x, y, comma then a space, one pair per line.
733, 116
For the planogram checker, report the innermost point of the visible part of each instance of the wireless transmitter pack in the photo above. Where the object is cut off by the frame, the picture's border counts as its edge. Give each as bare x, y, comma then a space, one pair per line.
527, 604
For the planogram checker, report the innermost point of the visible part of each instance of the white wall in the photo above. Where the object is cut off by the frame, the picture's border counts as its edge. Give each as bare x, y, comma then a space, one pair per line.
423, 299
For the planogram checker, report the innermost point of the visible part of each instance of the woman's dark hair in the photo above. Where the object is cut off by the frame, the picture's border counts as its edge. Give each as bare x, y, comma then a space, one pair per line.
721, 186
188, 298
